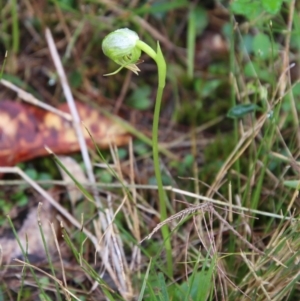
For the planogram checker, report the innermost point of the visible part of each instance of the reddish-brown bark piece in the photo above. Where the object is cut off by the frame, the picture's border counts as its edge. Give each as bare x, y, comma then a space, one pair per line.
25, 130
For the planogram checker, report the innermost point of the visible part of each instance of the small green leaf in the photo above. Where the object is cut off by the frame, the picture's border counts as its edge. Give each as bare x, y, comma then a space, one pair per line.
140, 148
163, 287
75, 79
201, 19
31, 173
272, 6
105, 176
140, 98
249, 8
292, 184
145, 281
243, 109
262, 45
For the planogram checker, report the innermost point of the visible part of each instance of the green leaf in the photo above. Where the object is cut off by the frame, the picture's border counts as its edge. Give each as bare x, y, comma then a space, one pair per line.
141, 295
254, 70
31, 173
163, 287
262, 45
292, 184
249, 8
239, 111
140, 98
159, 8
105, 176
272, 6
199, 284
75, 79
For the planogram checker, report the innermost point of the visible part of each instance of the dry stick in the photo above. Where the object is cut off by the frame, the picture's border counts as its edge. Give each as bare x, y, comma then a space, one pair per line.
285, 63
83, 147
32, 100
76, 120
217, 202
44, 194
116, 255
167, 188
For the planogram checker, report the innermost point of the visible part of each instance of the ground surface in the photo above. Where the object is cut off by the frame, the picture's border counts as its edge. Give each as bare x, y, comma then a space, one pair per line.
229, 146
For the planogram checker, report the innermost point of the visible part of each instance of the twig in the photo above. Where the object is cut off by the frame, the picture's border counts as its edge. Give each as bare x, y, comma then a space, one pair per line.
46, 195
32, 100
76, 120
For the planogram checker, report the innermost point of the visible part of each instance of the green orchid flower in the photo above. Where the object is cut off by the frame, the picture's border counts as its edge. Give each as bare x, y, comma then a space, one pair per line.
122, 47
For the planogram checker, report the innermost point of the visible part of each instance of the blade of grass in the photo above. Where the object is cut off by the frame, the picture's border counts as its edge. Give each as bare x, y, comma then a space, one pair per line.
24, 252
141, 295
58, 296
15, 27
191, 39
3, 65
162, 285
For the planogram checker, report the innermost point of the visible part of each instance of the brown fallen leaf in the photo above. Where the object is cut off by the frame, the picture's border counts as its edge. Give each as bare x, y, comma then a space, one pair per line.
25, 130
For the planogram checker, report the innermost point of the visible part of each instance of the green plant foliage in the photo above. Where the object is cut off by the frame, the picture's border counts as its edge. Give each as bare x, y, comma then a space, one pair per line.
272, 6
75, 79
162, 284
253, 8
263, 47
241, 110
159, 8
140, 148
199, 284
32, 173
20, 198
250, 9
295, 184
256, 71
140, 98
104, 176
206, 88
201, 19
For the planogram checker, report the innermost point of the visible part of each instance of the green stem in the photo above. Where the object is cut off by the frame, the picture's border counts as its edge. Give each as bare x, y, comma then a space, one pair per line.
161, 193
162, 70
15, 27
147, 49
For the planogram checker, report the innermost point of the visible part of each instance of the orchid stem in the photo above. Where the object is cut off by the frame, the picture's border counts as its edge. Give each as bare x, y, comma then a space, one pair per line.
124, 47
161, 66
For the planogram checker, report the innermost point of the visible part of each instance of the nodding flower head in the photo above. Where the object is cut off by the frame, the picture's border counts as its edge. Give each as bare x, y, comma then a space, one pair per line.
121, 47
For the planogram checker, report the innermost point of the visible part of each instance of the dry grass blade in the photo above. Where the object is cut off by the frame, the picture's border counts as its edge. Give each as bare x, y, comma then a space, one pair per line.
66, 292
277, 281
179, 215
